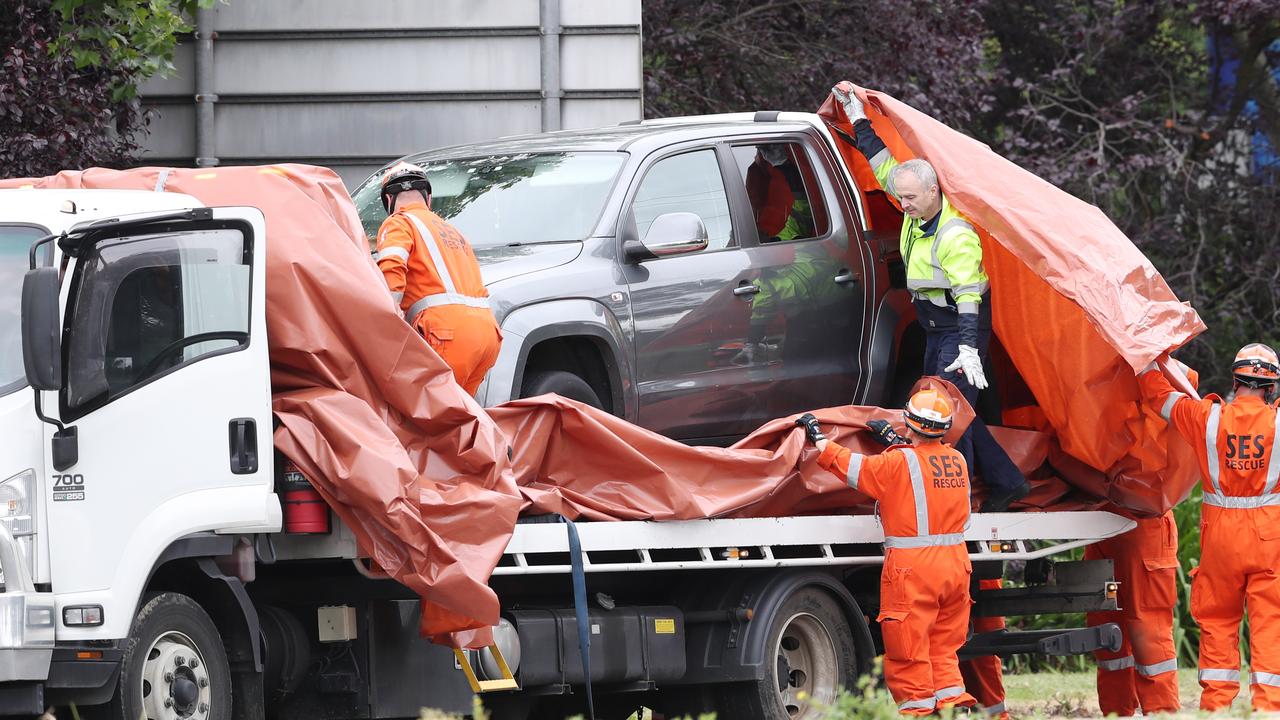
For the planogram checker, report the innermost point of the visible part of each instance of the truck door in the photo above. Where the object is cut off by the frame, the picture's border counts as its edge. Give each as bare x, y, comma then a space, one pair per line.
679, 302
167, 384
806, 322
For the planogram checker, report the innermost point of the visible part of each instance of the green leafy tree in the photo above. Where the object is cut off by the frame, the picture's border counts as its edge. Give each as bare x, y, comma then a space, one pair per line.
135, 38
69, 77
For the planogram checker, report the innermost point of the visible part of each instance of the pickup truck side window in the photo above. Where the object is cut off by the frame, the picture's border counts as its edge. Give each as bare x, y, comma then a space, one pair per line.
143, 305
689, 182
785, 200
15, 242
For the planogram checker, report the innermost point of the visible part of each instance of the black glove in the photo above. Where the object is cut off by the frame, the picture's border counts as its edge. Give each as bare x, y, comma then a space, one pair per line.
885, 433
811, 428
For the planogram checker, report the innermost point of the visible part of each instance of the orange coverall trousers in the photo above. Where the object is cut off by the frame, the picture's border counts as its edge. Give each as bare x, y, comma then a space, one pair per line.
1143, 673
984, 676
924, 619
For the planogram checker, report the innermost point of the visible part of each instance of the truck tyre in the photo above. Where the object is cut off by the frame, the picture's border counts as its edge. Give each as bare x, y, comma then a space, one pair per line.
175, 666
810, 657
562, 383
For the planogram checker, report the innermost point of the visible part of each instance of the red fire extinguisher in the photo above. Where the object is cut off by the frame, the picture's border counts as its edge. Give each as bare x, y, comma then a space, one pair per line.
304, 510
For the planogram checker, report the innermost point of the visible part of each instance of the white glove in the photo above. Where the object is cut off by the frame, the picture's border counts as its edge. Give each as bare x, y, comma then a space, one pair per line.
970, 365
851, 104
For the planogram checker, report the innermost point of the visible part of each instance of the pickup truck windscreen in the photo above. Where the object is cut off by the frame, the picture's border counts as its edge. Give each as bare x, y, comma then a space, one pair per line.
15, 242
511, 199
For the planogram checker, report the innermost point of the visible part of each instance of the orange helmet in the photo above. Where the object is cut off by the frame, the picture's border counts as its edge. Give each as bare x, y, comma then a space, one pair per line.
1256, 365
401, 177
928, 412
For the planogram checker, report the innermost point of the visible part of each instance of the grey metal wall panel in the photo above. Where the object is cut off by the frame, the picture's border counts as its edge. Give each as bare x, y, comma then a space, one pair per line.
182, 81
599, 113
353, 175
365, 129
291, 15
377, 65
599, 12
354, 84
600, 62
172, 132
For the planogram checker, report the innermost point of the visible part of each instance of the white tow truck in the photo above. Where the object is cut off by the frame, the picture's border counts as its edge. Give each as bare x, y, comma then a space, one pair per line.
146, 572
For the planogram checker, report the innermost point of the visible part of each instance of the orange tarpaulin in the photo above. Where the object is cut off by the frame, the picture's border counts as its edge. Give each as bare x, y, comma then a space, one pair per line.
1075, 305
432, 484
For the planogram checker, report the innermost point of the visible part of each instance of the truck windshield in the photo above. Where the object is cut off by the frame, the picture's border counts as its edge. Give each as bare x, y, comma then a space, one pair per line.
15, 241
511, 199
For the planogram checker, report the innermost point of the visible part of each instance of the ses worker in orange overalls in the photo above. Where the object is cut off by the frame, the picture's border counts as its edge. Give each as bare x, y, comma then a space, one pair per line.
434, 277
1143, 673
923, 490
1236, 444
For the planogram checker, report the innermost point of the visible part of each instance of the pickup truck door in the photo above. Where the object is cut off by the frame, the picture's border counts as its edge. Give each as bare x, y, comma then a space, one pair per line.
683, 349
167, 382
807, 318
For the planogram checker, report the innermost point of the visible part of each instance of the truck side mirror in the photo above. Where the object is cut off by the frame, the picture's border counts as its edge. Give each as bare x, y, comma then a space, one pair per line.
674, 233
41, 341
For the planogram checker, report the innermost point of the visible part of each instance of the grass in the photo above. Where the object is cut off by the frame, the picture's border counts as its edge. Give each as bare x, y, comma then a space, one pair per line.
1028, 695
1073, 694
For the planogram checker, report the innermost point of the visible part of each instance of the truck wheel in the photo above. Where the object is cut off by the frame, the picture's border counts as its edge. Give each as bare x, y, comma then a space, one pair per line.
811, 657
175, 667
562, 383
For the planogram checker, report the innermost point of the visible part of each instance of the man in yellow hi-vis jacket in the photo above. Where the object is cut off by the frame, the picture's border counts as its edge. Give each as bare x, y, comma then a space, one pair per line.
949, 290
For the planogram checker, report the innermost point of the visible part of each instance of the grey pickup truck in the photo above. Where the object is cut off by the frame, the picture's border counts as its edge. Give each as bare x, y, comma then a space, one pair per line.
696, 276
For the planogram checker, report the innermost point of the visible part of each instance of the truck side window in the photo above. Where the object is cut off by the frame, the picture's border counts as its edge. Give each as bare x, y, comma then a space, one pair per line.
15, 242
689, 182
142, 305
785, 200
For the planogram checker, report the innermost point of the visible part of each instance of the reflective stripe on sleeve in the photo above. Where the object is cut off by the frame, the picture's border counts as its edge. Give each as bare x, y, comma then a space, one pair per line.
1123, 663
1169, 402
1220, 675
917, 489
880, 158
398, 297
855, 469
1211, 446
393, 252
1159, 668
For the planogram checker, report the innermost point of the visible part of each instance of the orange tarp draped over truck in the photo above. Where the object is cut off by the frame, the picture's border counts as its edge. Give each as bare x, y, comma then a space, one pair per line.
432, 484
1076, 306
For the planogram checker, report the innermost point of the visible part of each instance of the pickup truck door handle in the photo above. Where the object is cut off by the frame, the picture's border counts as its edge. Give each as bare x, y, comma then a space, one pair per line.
243, 437
745, 288
845, 277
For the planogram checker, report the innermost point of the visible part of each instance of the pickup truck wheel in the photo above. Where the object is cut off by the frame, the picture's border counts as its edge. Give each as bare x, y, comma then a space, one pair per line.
175, 667
562, 383
810, 656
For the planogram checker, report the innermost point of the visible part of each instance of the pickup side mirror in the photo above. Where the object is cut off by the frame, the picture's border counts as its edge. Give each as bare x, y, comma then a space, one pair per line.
674, 233
41, 341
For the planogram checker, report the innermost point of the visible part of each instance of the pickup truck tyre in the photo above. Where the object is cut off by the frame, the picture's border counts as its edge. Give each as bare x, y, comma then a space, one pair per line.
562, 383
175, 667
809, 650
